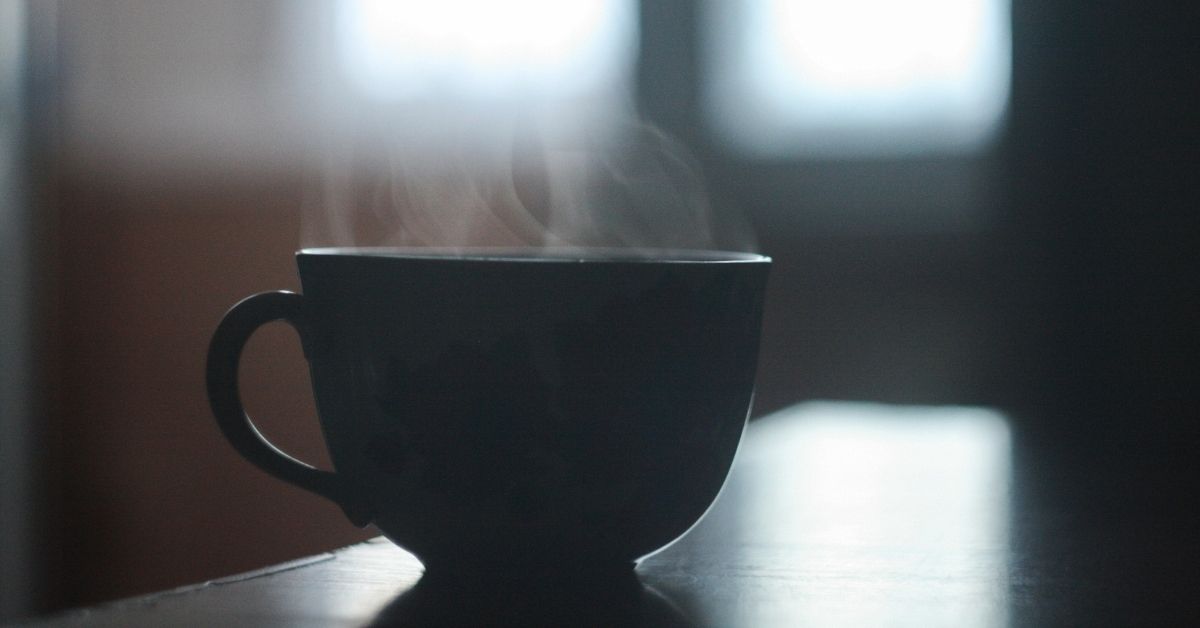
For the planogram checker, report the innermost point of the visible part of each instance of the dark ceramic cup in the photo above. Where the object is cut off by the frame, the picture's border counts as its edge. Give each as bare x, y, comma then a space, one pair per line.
507, 411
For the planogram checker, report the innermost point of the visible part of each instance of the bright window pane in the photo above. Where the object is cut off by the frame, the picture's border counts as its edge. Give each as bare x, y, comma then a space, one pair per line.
478, 49
844, 78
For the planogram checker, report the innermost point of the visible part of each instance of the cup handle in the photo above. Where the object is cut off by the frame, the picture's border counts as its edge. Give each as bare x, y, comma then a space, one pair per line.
224, 355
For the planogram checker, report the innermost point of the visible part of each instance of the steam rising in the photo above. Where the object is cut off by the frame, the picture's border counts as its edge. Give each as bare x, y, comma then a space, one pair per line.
463, 179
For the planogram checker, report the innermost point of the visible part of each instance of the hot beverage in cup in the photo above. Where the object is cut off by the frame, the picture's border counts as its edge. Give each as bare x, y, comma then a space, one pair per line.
506, 410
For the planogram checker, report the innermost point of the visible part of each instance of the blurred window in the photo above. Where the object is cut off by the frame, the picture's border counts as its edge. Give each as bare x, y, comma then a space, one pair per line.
478, 49
855, 78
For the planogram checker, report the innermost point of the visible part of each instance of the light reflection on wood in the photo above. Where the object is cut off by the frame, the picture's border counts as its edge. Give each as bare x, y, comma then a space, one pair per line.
854, 514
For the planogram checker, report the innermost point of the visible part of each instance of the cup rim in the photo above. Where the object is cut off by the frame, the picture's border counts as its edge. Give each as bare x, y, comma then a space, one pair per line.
542, 255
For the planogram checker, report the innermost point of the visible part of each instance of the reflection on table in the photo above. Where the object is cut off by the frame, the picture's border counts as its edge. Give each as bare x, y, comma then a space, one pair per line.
854, 514
834, 514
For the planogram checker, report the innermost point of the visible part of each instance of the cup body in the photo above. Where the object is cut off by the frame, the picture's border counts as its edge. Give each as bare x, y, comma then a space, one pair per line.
497, 409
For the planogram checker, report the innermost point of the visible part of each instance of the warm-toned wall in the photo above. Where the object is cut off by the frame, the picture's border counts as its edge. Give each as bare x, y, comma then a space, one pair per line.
149, 495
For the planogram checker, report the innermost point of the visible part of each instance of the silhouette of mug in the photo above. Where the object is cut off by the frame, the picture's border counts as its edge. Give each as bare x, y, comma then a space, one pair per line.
506, 411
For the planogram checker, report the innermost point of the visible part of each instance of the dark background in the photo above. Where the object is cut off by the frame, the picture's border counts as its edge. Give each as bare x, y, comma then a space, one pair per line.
1072, 308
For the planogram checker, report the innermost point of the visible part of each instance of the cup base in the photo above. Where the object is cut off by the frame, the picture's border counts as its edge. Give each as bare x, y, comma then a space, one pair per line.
537, 575
605, 594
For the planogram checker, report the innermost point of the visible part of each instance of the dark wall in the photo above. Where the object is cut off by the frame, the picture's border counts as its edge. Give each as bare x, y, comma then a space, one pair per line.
1104, 157
1103, 232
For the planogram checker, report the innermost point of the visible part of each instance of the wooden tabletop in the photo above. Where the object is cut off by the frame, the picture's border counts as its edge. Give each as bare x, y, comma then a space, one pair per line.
835, 514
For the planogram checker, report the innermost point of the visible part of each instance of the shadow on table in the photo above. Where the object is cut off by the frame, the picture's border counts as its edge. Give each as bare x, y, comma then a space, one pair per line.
620, 600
